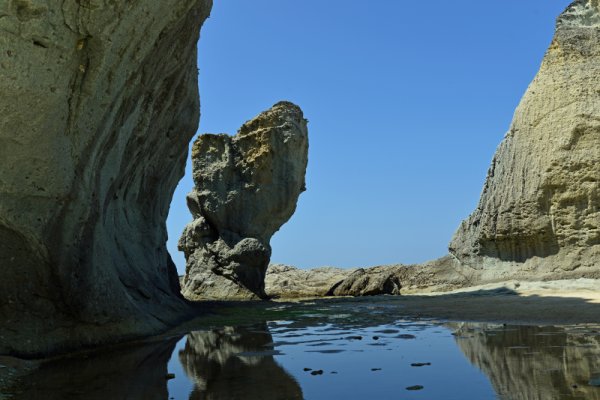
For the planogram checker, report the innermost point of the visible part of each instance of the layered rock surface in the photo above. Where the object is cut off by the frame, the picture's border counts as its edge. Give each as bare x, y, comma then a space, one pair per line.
284, 281
246, 187
99, 102
539, 212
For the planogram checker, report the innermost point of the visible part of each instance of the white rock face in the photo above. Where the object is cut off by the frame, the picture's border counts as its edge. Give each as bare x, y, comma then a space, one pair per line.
99, 102
246, 187
539, 212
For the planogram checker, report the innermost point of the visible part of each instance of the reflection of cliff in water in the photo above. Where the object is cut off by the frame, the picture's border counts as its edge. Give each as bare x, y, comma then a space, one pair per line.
534, 363
236, 363
132, 372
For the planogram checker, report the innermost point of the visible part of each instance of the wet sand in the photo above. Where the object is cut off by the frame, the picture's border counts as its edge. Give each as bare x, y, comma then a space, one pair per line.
552, 302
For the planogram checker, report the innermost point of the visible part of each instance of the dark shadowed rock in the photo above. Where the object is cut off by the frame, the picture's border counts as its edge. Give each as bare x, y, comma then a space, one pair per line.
368, 282
246, 187
99, 102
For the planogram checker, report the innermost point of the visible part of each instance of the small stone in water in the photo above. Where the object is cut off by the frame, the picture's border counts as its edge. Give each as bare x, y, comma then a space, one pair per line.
375, 337
407, 336
354, 338
307, 369
170, 376
317, 372
420, 364
375, 369
415, 387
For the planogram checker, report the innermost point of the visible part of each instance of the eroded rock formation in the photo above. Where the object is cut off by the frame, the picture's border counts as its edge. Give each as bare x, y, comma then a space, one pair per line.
99, 102
540, 207
246, 187
285, 281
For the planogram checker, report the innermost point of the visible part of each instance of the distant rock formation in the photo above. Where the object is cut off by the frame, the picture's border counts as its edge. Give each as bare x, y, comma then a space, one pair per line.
540, 207
284, 281
368, 282
99, 102
246, 187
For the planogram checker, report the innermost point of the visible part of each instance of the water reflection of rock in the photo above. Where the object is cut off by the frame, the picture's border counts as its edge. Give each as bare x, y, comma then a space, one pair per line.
534, 363
133, 372
224, 364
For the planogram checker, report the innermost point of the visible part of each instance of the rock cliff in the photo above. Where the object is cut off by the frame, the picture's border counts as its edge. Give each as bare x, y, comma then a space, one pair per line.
99, 102
246, 187
539, 212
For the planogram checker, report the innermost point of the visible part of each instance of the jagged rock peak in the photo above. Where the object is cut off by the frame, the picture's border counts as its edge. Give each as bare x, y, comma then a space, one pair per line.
246, 187
581, 13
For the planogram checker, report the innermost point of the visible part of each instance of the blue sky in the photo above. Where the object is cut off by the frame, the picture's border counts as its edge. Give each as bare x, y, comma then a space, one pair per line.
406, 101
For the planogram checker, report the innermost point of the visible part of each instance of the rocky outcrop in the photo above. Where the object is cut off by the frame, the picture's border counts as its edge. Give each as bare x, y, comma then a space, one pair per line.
99, 102
539, 212
284, 281
246, 187
368, 282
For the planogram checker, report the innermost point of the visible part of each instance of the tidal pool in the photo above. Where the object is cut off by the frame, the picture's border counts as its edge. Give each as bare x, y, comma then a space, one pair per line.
336, 350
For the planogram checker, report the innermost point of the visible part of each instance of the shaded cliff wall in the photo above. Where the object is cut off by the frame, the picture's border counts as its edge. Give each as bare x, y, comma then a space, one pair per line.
99, 102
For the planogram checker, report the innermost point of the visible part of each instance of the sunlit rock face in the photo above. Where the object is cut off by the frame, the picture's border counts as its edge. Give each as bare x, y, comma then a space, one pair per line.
527, 363
246, 187
540, 205
234, 363
99, 102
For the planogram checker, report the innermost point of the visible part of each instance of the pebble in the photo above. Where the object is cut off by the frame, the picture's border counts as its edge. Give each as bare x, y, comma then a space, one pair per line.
317, 372
307, 369
375, 369
406, 336
415, 387
420, 364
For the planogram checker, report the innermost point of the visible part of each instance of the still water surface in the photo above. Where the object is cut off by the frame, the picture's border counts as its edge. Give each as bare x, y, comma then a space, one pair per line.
340, 350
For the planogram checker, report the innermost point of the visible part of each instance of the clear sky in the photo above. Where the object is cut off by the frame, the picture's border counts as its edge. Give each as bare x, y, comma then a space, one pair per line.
406, 101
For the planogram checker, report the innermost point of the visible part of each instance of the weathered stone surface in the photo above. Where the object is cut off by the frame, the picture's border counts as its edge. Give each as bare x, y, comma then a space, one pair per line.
246, 187
99, 102
284, 281
368, 282
539, 212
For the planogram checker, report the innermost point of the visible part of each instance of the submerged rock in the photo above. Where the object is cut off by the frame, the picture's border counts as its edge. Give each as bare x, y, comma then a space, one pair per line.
246, 187
99, 102
539, 210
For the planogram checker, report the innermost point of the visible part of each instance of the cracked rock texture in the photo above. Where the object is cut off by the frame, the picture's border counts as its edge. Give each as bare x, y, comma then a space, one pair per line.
284, 281
99, 102
539, 212
246, 187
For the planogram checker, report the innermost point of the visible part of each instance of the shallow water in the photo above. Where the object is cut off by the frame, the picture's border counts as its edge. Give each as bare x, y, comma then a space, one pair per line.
337, 350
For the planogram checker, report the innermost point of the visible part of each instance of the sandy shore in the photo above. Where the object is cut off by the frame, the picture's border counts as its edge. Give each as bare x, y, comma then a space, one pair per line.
551, 302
